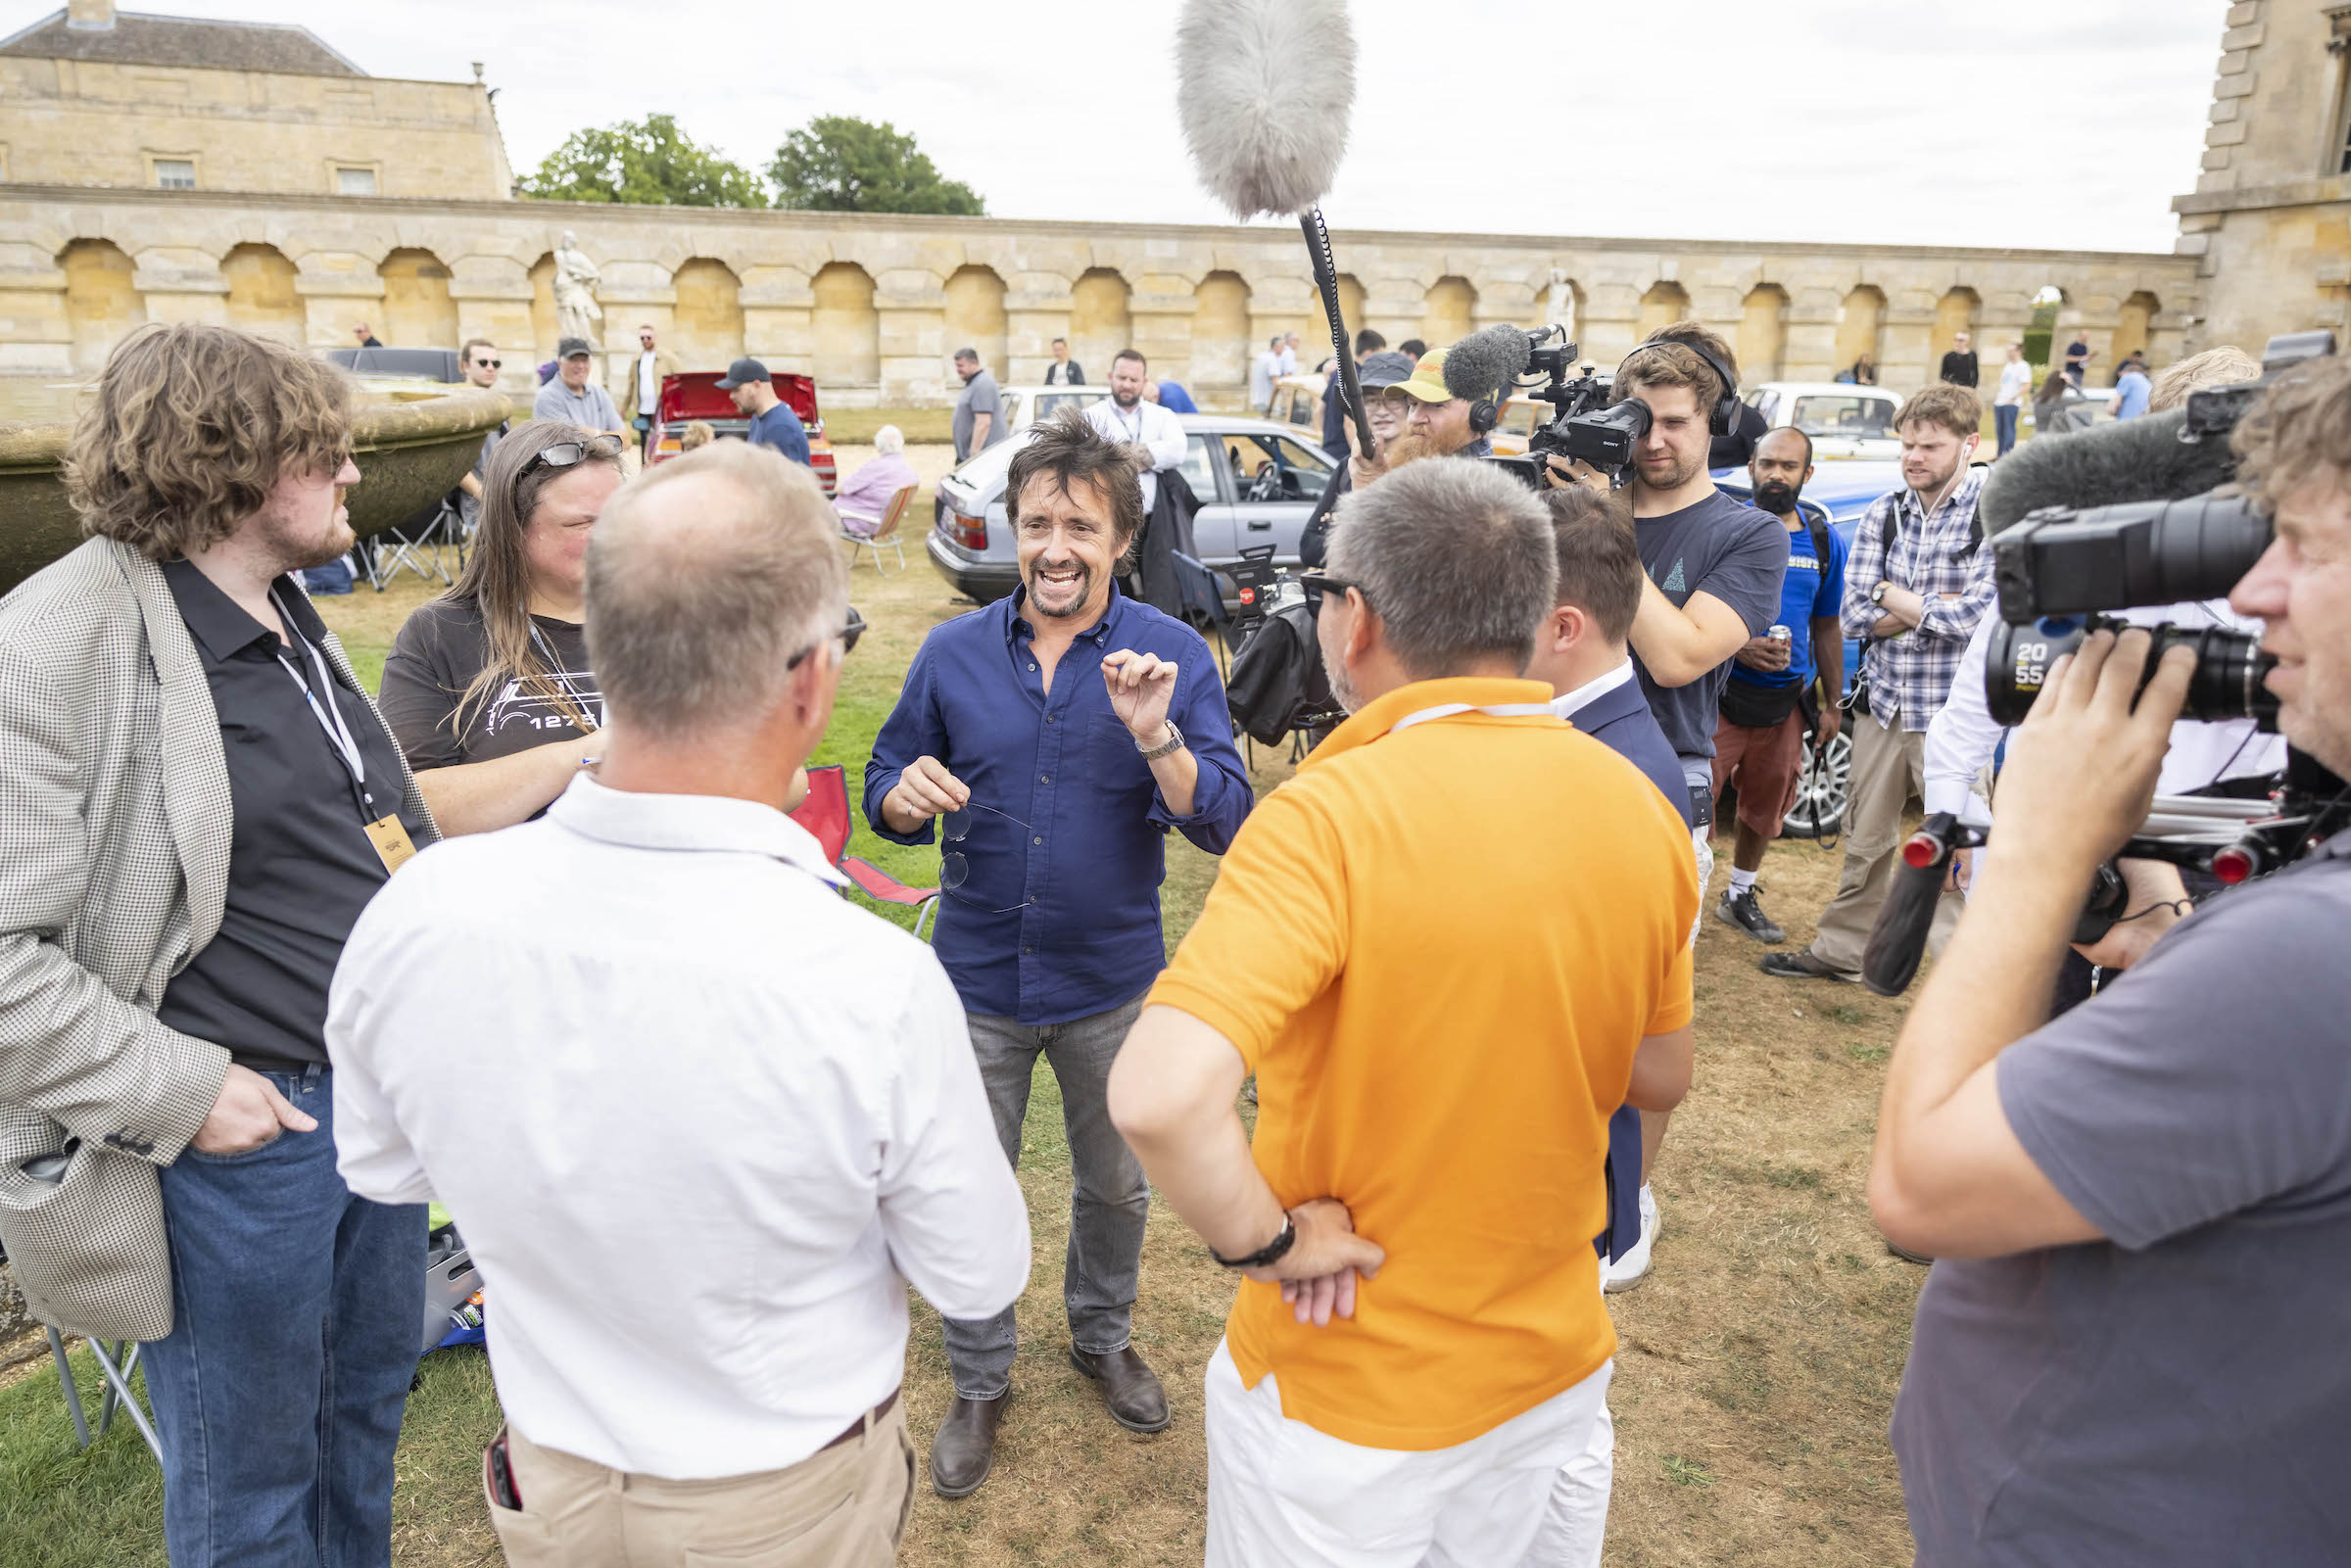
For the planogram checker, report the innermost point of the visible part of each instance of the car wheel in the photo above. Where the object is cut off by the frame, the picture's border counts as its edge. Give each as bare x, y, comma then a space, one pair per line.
1819, 810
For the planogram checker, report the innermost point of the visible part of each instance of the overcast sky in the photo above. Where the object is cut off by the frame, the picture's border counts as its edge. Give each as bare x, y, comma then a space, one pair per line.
2063, 124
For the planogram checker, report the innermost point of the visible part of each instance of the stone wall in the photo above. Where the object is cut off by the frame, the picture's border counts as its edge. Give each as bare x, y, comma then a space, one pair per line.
2270, 222
873, 306
91, 123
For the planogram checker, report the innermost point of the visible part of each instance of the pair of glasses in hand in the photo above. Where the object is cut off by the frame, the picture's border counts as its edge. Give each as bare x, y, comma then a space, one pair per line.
953, 869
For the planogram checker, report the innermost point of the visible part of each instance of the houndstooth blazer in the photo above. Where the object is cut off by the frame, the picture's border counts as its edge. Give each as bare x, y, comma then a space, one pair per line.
115, 827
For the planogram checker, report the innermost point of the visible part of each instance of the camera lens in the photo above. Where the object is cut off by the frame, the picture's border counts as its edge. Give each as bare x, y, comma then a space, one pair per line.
2139, 552
2227, 684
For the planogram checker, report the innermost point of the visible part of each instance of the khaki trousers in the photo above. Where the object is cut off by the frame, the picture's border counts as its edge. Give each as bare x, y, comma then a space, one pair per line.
845, 1506
1887, 768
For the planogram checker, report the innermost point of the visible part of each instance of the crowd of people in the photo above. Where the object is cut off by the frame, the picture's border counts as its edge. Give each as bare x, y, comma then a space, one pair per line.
617, 1005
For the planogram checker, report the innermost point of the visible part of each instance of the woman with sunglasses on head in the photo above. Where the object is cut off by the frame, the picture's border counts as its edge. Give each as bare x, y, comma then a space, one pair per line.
488, 687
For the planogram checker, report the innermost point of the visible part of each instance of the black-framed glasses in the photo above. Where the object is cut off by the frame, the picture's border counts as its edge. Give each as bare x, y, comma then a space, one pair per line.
570, 454
953, 869
490, 364
848, 636
1318, 584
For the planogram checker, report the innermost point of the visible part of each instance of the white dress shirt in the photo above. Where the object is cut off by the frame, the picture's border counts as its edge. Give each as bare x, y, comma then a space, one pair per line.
649, 394
1964, 735
698, 1119
1148, 423
1573, 702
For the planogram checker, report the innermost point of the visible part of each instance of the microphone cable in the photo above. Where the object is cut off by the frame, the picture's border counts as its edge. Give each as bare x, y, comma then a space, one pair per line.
1326, 275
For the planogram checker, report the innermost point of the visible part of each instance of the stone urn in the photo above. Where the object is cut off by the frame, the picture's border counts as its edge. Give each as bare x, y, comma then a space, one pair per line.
413, 442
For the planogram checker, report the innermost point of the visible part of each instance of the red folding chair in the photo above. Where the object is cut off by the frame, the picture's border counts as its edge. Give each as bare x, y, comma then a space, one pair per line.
826, 814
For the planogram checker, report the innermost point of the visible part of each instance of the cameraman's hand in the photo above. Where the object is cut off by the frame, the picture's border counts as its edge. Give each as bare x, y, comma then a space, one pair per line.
2156, 903
1318, 1274
1762, 653
2080, 770
926, 789
1561, 472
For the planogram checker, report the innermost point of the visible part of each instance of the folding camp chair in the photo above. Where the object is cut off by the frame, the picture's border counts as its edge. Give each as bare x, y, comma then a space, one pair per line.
115, 1364
1201, 588
826, 814
886, 532
410, 547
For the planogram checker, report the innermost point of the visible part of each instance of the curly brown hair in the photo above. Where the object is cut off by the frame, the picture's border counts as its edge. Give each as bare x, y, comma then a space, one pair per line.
191, 430
1664, 358
1953, 407
2298, 433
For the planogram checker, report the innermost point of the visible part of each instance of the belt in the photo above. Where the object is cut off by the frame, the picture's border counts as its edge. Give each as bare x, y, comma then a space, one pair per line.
864, 1423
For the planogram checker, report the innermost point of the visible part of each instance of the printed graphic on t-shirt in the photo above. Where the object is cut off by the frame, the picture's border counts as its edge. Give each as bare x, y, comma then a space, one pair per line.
515, 706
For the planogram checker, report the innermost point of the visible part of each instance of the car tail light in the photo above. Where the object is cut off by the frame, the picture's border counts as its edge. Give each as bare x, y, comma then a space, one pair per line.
970, 532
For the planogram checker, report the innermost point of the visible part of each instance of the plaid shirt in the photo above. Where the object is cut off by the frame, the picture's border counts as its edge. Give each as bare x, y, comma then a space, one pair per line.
1910, 675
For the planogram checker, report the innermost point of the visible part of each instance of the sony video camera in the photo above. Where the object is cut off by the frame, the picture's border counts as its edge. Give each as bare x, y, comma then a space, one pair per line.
1586, 426
2060, 571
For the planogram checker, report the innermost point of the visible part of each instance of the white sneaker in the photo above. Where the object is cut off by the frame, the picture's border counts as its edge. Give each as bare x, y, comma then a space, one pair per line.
1627, 1271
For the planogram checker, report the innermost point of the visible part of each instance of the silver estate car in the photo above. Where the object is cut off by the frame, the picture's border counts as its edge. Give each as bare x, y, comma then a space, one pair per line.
1257, 480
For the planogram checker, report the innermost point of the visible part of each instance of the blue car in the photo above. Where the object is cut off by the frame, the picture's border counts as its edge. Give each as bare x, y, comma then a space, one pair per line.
1840, 492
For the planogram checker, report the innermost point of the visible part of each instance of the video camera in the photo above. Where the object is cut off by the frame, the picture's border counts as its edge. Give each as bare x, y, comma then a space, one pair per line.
1586, 426
2060, 571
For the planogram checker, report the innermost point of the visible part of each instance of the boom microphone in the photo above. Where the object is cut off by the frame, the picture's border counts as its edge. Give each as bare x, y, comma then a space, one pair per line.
1487, 363
2128, 460
1262, 92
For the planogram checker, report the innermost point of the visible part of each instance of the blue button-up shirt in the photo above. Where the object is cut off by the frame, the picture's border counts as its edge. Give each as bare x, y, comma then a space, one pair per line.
1060, 916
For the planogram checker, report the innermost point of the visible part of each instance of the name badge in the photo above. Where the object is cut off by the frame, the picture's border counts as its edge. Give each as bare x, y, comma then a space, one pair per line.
391, 841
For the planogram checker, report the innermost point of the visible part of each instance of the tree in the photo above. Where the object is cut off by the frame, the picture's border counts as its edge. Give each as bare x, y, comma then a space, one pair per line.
838, 163
648, 162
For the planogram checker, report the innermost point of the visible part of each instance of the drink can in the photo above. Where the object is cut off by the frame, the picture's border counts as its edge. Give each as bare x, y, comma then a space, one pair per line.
1779, 633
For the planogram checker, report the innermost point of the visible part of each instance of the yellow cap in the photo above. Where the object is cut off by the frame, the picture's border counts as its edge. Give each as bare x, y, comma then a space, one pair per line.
1427, 381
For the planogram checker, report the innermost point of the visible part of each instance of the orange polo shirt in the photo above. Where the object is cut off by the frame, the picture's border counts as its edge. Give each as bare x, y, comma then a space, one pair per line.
1438, 948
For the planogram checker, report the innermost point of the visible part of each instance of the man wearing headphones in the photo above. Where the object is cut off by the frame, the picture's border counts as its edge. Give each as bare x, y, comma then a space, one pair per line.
1714, 571
1918, 581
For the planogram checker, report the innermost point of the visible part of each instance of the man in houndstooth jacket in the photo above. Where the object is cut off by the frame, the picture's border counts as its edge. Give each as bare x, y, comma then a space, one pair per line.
196, 801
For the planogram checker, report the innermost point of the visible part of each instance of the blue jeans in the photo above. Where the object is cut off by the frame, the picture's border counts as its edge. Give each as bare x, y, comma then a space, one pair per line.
1109, 1200
2003, 421
298, 1317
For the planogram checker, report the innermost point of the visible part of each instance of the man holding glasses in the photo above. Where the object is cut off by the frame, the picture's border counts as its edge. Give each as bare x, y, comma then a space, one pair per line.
1058, 735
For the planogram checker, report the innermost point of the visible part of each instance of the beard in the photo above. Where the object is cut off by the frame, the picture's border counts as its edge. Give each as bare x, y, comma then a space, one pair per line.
1673, 478
1081, 590
1126, 400
1777, 497
1409, 447
298, 545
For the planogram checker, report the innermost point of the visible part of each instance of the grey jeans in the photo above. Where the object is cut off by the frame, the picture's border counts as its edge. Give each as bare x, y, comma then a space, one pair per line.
1109, 1200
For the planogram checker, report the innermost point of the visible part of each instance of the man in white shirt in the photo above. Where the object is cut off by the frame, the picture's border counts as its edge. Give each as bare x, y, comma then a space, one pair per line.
2008, 402
652, 364
698, 1119
1262, 371
1129, 417
1289, 355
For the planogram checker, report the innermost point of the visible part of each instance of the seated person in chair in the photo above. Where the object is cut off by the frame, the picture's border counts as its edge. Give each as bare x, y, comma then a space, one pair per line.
864, 496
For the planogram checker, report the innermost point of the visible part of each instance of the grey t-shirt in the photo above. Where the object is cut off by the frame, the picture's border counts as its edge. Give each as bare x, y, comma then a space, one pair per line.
1727, 548
980, 397
592, 407
2181, 1394
469, 507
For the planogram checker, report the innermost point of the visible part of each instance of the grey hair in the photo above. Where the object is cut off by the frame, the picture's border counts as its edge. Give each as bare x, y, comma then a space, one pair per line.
705, 577
890, 440
1457, 560
2214, 367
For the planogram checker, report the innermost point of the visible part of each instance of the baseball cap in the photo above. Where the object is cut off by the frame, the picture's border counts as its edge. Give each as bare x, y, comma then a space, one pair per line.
1427, 380
1386, 369
571, 347
741, 371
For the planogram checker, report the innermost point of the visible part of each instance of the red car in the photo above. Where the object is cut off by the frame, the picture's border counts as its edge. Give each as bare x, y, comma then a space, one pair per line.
694, 395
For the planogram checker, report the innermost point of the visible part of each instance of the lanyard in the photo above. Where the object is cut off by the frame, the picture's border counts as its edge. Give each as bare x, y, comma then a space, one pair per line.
558, 674
1137, 435
328, 714
1446, 710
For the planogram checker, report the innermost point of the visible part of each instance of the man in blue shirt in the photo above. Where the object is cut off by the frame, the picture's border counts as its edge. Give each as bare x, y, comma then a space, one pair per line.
1057, 735
1759, 742
2130, 390
772, 424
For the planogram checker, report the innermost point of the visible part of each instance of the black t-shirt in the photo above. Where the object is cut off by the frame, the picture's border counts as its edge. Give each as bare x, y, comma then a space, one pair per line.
1960, 369
433, 661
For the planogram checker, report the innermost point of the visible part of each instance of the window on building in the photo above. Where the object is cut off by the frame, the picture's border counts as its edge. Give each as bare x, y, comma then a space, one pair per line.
176, 173
354, 182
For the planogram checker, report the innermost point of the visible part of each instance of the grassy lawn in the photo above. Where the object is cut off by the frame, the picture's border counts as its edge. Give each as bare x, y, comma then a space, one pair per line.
857, 425
1758, 1366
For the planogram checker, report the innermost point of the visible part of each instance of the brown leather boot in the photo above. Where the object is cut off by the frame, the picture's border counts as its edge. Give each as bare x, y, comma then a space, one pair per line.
965, 1449
1130, 1389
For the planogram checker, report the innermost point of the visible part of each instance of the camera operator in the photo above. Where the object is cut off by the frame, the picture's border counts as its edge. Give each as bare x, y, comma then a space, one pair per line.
1963, 737
2143, 1208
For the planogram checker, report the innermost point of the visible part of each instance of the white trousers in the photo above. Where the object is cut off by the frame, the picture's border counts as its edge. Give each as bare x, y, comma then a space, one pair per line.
1282, 1494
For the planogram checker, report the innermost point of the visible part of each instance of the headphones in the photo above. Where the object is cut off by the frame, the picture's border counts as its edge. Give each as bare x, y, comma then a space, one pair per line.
1484, 414
1724, 416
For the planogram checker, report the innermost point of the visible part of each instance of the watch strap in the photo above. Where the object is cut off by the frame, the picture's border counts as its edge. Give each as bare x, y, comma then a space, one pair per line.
1166, 748
1270, 1252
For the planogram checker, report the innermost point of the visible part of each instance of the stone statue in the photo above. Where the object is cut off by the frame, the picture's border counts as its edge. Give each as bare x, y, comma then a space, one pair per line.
1561, 306
576, 277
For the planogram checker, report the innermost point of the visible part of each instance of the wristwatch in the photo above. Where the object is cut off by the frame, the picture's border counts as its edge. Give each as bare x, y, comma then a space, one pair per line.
1166, 748
1877, 594
1267, 1253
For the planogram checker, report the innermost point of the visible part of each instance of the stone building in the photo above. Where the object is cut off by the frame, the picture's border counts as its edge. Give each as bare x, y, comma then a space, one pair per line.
216, 191
2270, 220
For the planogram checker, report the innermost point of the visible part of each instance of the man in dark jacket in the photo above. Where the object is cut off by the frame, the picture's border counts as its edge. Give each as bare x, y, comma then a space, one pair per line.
1959, 365
1335, 408
1064, 372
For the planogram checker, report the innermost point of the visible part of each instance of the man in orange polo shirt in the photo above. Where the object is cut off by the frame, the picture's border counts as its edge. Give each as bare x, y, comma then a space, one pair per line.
1449, 948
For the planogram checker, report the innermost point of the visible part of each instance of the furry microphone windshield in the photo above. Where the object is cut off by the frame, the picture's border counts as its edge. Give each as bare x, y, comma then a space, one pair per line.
1487, 363
2132, 459
1262, 89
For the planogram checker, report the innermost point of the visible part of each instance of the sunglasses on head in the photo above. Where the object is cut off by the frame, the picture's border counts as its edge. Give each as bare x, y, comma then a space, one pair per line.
848, 636
567, 453
1318, 584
